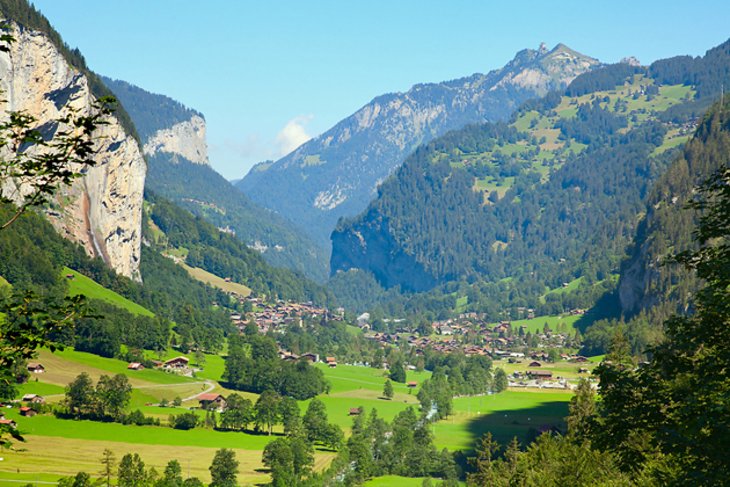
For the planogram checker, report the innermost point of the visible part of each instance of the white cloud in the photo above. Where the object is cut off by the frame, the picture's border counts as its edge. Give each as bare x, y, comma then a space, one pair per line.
293, 134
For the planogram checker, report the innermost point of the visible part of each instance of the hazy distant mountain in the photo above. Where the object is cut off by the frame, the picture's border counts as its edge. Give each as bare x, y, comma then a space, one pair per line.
173, 137
336, 174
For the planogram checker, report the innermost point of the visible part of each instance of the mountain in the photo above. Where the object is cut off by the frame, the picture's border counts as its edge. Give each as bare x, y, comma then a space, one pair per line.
173, 137
336, 173
649, 281
554, 196
40, 76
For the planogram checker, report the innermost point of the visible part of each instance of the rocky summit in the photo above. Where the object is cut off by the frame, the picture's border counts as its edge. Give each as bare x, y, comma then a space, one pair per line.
336, 174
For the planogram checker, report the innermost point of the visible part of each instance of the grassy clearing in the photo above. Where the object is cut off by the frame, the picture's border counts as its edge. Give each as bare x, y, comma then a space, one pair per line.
216, 281
536, 324
80, 284
63, 367
561, 369
47, 459
508, 414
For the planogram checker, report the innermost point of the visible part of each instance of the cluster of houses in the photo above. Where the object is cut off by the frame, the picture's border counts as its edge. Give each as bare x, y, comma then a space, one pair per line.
281, 314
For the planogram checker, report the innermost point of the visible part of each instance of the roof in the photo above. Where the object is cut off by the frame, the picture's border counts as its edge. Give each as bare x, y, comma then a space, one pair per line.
35, 365
212, 396
30, 397
176, 359
413, 383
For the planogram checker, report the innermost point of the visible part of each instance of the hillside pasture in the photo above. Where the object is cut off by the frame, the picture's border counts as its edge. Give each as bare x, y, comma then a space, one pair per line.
505, 415
80, 284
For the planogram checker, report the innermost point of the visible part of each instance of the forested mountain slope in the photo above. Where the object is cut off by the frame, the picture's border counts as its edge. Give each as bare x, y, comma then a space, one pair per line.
649, 281
176, 151
553, 196
336, 173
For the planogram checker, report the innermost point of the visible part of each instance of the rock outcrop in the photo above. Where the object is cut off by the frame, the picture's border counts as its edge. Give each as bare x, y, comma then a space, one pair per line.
336, 174
185, 139
103, 209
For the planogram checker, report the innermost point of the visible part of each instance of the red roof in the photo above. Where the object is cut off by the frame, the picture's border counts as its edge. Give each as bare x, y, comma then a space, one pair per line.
209, 397
412, 384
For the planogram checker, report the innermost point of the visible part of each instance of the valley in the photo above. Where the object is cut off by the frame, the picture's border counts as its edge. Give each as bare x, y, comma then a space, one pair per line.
510, 278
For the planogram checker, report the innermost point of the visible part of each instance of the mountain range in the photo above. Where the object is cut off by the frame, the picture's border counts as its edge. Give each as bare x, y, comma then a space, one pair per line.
336, 174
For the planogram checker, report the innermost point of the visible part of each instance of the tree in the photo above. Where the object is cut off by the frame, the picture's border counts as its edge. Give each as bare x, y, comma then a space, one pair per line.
81, 479
267, 410
238, 414
500, 380
388, 390
332, 437
172, 476
582, 411
131, 471
113, 395
398, 372
289, 459
184, 421
224, 469
80, 395
108, 461
315, 420
290, 416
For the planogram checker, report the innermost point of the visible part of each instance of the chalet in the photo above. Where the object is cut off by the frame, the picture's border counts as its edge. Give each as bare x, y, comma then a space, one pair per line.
135, 366
311, 357
290, 357
36, 368
330, 361
355, 411
580, 359
540, 374
33, 398
535, 364
212, 401
176, 363
412, 384
9, 422
26, 411
332, 364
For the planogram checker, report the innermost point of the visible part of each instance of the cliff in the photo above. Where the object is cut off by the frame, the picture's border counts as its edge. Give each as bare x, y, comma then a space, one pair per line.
336, 174
103, 209
185, 139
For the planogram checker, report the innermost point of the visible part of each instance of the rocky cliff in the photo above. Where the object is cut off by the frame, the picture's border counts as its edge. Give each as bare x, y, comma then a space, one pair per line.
184, 139
336, 174
103, 209
174, 143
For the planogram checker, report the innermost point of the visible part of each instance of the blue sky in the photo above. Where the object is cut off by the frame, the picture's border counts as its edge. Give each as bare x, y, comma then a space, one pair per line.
269, 74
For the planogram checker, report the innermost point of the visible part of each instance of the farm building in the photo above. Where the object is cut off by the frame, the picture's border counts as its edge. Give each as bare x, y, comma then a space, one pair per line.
212, 400
177, 363
33, 398
36, 368
135, 366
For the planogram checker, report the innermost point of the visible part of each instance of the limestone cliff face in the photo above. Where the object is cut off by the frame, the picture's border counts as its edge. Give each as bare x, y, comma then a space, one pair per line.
103, 209
185, 139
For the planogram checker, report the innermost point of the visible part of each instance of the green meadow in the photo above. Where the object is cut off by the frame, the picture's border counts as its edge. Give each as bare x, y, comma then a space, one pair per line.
80, 284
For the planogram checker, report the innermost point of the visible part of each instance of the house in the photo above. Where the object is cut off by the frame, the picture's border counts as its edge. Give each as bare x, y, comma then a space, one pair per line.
26, 411
582, 370
9, 422
412, 384
212, 401
176, 363
36, 368
332, 365
535, 364
331, 362
33, 398
355, 411
580, 359
311, 357
540, 374
135, 366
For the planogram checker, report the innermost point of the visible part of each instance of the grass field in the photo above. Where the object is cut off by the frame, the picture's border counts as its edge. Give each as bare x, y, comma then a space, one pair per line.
536, 324
216, 281
397, 481
562, 369
508, 414
81, 284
